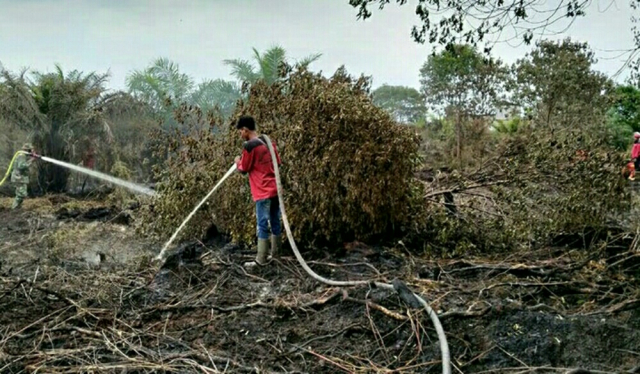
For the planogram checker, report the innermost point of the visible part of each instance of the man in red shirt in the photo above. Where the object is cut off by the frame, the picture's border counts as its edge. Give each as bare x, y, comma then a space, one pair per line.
256, 161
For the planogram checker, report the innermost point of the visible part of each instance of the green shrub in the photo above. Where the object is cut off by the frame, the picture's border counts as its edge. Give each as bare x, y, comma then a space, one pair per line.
562, 181
541, 183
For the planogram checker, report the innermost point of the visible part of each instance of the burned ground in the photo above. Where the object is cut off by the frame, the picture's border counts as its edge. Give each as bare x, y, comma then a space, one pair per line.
94, 302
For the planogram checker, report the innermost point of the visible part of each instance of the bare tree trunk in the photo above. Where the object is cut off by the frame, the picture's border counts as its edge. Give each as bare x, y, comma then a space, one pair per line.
449, 204
458, 138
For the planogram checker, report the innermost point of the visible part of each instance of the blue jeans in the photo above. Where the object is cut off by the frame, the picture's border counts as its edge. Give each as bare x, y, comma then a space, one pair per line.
268, 212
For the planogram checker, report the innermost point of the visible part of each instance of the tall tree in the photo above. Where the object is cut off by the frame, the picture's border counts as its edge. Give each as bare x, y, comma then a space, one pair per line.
462, 82
623, 118
59, 109
626, 106
405, 104
557, 83
165, 88
217, 93
266, 65
160, 82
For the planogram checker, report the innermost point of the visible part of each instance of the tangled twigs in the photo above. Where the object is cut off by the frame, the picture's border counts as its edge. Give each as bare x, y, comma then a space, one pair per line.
305, 344
548, 284
499, 268
463, 187
124, 335
617, 308
444, 347
380, 308
467, 314
256, 304
626, 257
334, 363
535, 369
553, 310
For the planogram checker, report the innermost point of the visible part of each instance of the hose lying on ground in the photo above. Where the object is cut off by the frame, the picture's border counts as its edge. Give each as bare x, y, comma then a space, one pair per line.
397, 286
6, 175
444, 347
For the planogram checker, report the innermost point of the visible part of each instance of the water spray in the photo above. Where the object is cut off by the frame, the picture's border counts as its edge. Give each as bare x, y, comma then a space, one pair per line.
186, 220
96, 174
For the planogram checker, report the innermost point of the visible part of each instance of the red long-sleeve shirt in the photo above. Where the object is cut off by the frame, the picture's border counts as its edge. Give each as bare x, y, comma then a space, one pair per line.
256, 161
635, 151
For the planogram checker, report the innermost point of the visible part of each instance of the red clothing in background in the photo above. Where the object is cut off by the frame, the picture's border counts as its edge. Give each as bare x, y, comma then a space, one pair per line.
635, 151
89, 160
256, 161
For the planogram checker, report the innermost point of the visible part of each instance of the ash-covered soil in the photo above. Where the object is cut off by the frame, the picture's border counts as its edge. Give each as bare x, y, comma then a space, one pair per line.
78, 294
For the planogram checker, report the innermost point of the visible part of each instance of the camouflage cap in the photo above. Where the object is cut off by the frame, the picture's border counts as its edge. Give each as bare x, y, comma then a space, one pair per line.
27, 147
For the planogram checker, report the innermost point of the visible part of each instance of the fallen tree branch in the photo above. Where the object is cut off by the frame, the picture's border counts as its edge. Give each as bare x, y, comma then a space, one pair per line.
540, 284
378, 307
620, 307
464, 187
257, 304
517, 268
467, 314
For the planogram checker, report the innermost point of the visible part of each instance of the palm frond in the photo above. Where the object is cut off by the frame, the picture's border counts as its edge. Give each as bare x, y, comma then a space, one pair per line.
160, 80
256, 55
216, 93
308, 60
242, 70
59, 71
18, 105
270, 62
147, 88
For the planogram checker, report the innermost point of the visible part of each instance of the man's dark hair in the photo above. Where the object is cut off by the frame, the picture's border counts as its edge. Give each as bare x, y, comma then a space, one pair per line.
247, 122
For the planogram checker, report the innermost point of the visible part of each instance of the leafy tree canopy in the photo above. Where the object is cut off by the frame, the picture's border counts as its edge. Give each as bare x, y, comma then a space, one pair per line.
557, 79
405, 104
164, 87
626, 106
623, 118
463, 79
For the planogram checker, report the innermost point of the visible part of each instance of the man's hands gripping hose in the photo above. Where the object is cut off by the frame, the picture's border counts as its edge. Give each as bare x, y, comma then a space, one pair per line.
32, 156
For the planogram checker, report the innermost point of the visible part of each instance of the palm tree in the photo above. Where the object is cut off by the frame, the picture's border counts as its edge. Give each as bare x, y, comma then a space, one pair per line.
219, 94
267, 65
159, 82
164, 88
58, 110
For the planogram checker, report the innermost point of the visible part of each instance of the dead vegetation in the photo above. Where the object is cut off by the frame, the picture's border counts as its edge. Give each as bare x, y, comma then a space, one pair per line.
522, 243
551, 310
348, 172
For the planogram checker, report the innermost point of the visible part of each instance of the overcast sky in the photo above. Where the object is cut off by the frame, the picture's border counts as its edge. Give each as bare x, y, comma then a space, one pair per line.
119, 36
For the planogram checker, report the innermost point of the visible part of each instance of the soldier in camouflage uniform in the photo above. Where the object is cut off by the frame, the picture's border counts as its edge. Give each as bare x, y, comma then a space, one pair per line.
20, 175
